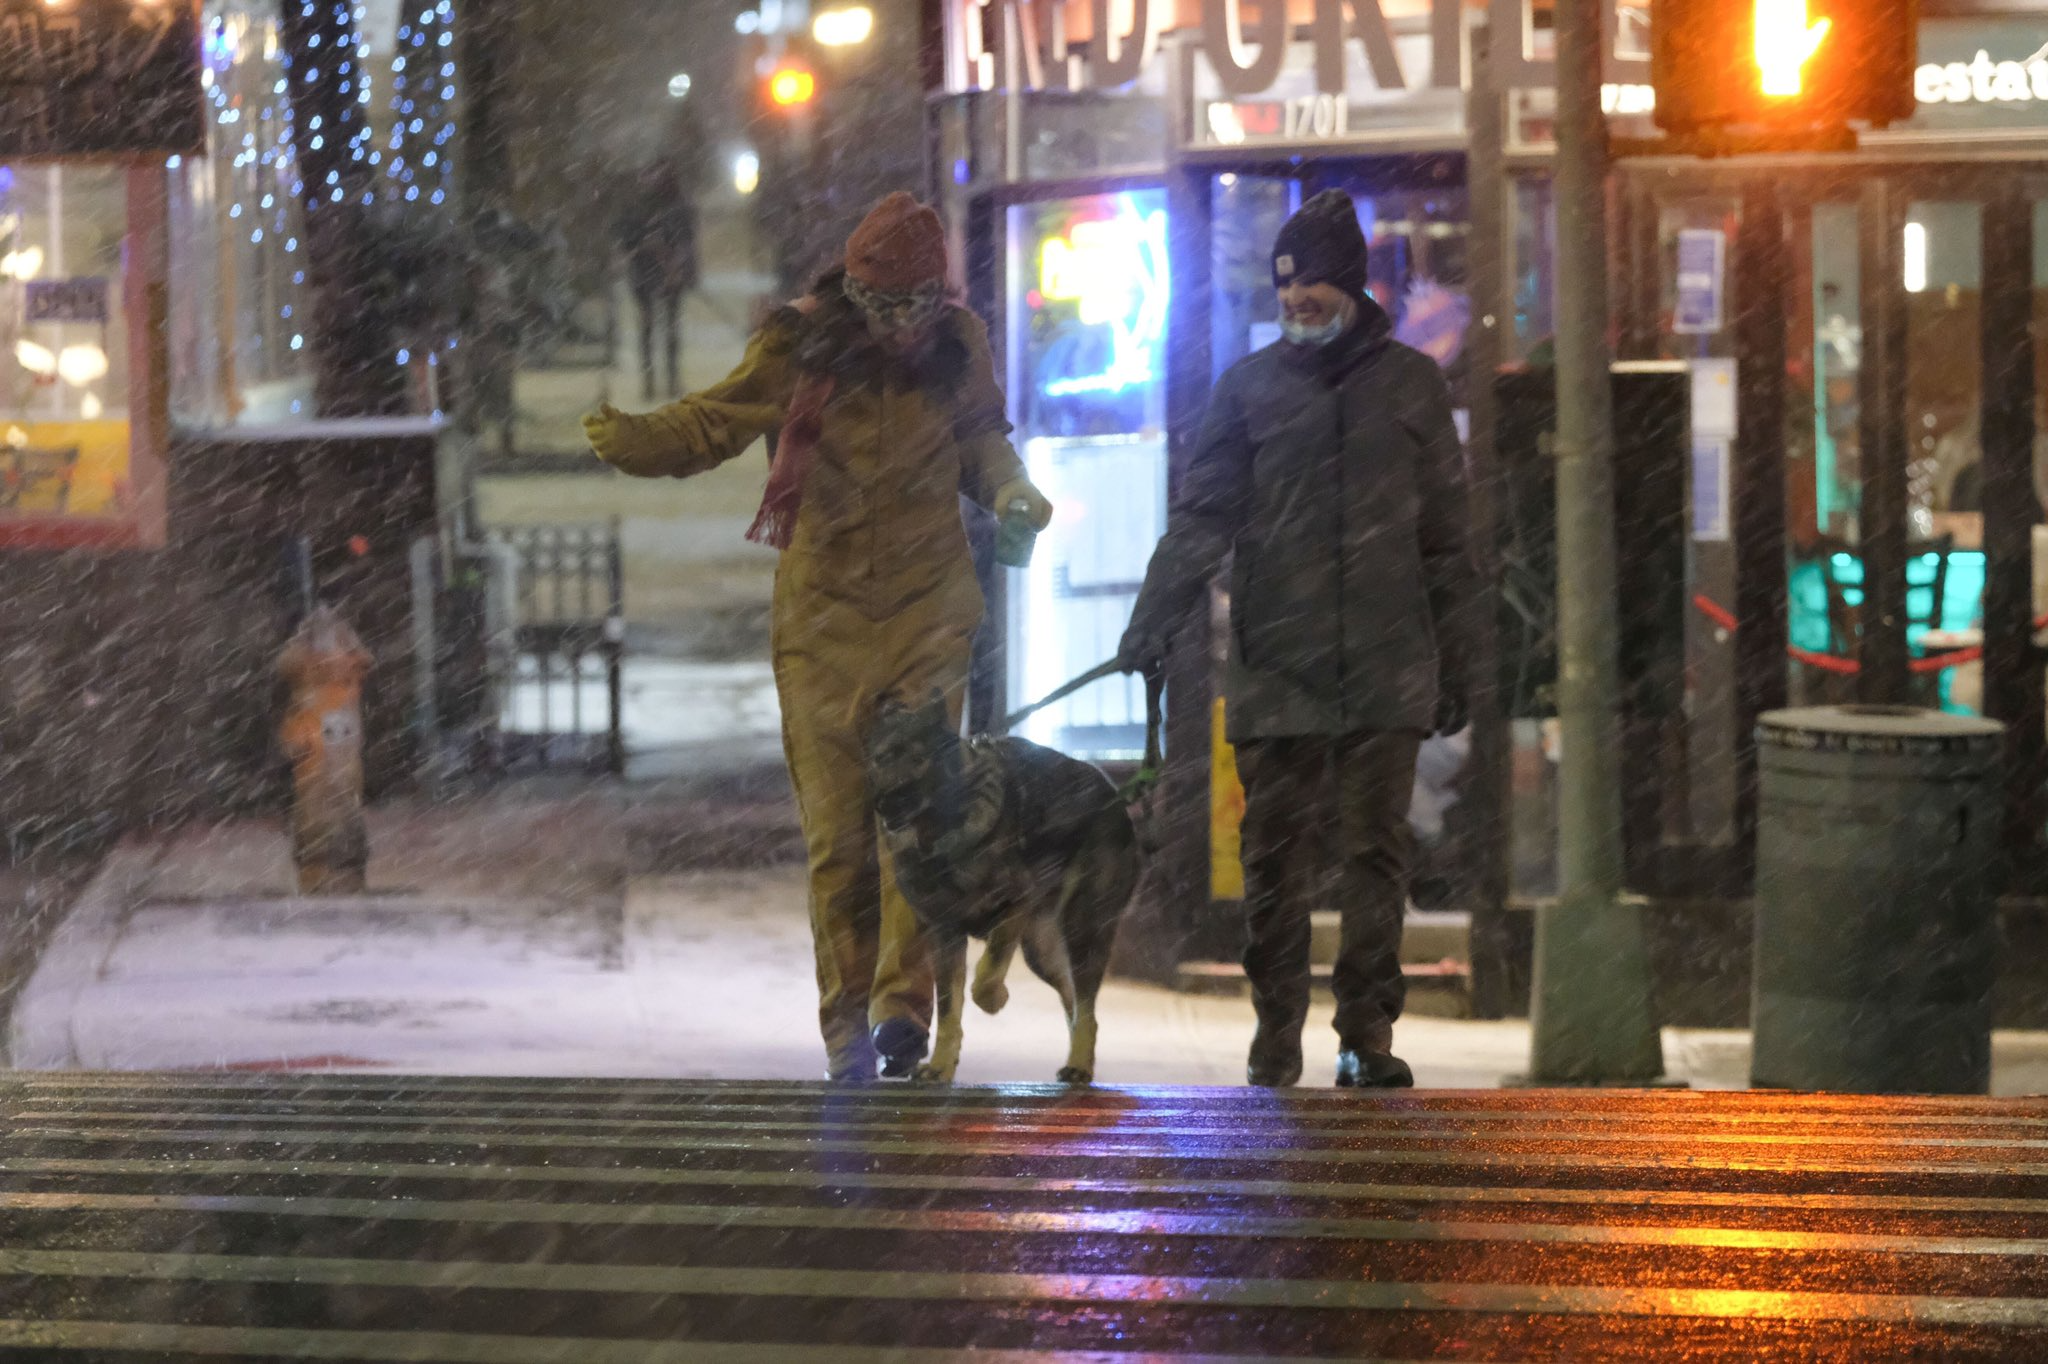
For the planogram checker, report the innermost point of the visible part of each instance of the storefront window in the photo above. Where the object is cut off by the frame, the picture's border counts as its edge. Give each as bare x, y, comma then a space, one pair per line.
1837, 356
1247, 212
1941, 282
66, 446
1416, 243
240, 340
1071, 135
1535, 266
1087, 308
239, 345
1943, 258
1416, 263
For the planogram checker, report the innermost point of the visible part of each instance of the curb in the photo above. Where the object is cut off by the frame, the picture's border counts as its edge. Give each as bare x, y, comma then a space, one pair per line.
39, 1033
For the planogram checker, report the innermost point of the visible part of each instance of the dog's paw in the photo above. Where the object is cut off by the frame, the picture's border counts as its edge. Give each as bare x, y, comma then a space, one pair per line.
1074, 1075
930, 1074
991, 995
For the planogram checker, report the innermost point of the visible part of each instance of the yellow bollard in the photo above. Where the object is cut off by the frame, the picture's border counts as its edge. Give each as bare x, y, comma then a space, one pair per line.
322, 735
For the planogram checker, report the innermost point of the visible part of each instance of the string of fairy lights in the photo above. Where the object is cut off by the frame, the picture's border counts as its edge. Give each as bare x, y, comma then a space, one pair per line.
423, 105
279, 172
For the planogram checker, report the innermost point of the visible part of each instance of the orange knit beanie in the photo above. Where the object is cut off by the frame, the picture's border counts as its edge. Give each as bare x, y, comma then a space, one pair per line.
898, 247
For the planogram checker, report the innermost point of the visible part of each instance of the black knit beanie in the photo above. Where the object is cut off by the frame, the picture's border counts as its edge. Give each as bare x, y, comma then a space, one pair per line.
1322, 244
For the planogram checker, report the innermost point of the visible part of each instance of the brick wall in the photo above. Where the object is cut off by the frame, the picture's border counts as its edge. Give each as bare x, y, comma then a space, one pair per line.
136, 687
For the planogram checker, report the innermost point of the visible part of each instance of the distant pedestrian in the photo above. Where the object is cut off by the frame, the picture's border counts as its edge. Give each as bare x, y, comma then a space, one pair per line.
1329, 466
657, 231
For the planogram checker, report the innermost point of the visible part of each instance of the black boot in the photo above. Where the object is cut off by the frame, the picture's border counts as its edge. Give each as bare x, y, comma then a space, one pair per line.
1275, 1060
901, 1043
1372, 1070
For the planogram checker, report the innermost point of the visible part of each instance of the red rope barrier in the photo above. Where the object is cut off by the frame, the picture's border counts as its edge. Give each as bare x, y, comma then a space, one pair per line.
1835, 663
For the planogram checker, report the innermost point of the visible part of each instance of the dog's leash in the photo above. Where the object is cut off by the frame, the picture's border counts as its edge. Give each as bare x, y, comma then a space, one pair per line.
1095, 674
1139, 788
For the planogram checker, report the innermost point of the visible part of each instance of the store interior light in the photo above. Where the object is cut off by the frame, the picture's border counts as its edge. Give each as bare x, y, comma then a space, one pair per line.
35, 358
90, 407
81, 365
843, 27
679, 85
26, 263
746, 172
1916, 258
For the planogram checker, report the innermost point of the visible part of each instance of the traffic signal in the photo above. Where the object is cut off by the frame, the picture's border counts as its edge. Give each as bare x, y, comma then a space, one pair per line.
1782, 65
791, 87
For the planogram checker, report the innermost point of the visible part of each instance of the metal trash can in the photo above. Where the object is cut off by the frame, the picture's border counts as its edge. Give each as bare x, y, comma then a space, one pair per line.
1876, 912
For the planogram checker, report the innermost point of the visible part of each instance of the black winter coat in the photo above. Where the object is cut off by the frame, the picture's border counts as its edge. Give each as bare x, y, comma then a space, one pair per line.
1336, 479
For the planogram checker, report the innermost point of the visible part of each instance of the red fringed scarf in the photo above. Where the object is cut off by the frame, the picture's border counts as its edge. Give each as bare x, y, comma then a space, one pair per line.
775, 523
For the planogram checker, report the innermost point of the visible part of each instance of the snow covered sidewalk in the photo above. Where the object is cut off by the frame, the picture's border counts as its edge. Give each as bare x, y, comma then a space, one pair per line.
513, 942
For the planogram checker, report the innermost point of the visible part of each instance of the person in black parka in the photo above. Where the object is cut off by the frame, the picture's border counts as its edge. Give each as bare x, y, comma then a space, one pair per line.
1329, 471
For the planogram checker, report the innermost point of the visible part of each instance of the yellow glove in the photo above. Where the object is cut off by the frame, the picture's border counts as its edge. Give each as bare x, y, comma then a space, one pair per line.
645, 444
1018, 497
607, 431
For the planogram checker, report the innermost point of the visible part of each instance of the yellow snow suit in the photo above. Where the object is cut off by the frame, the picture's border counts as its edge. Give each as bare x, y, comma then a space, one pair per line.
875, 595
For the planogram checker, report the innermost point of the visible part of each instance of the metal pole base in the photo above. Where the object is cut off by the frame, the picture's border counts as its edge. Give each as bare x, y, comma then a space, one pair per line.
1590, 1016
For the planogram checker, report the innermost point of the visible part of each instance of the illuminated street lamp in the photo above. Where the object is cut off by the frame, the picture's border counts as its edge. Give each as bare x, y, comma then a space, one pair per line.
679, 85
843, 27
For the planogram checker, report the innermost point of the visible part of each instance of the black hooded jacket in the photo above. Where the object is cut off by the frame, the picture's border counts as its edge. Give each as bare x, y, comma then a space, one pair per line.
1335, 477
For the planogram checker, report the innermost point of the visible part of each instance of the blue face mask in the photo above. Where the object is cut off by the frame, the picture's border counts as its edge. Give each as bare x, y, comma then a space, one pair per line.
1323, 335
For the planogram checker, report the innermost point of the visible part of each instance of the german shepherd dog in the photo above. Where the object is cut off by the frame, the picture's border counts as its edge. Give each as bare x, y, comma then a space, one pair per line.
1000, 839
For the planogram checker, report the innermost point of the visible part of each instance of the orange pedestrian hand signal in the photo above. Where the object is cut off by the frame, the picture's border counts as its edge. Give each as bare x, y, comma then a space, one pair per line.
1785, 43
1782, 71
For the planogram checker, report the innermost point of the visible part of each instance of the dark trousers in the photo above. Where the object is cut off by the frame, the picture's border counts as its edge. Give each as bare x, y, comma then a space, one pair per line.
1317, 805
663, 313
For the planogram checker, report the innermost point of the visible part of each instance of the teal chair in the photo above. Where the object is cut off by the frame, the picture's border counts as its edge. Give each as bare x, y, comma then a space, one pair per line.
1926, 590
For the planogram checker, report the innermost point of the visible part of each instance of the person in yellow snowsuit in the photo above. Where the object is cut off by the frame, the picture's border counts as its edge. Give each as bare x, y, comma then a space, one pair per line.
885, 405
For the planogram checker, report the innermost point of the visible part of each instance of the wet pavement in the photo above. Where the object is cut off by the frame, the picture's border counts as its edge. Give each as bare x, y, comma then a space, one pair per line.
381, 1218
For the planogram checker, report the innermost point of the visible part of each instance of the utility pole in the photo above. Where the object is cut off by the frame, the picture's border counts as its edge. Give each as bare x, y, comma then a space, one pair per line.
1590, 1007
1485, 801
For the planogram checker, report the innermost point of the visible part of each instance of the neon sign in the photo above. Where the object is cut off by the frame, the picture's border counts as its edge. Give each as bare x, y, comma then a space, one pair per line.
1114, 269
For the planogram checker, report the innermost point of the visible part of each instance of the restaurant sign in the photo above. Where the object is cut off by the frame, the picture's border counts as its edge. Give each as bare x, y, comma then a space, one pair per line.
99, 78
1981, 74
1248, 57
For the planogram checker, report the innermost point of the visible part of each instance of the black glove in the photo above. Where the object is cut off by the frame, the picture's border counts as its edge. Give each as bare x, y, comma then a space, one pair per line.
1453, 711
1142, 650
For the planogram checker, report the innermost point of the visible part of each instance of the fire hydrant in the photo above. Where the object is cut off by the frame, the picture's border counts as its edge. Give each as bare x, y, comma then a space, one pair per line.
322, 735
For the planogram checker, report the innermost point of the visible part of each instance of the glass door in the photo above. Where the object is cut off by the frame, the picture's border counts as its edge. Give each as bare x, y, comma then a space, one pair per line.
1087, 293
1246, 213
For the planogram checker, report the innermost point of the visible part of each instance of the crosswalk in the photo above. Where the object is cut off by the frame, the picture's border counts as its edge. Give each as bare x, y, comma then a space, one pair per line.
377, 1218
